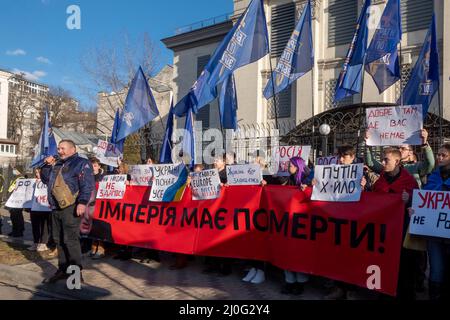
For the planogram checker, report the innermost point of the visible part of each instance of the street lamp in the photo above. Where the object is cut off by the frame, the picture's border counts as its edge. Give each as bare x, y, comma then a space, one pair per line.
324, 130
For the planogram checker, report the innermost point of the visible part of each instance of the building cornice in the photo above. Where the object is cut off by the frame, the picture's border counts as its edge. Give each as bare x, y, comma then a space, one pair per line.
199, 37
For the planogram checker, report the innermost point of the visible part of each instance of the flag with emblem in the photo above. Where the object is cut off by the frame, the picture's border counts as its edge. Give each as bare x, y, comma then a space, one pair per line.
246, 43
424, 81
140, 107
297, 58
382, 61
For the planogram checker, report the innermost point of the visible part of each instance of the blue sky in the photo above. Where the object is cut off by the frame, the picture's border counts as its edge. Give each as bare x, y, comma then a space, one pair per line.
34, 37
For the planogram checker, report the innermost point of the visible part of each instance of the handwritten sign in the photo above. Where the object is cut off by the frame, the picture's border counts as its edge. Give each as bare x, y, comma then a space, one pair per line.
107, 153
112, 187
22, 196
40, 198
141, 175
431, 214
169, 182
324, 161
205, 185
394, 126
338, 183
280, 158
244, 174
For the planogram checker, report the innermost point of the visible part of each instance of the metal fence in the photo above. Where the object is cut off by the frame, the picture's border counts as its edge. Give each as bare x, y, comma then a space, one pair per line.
347, 127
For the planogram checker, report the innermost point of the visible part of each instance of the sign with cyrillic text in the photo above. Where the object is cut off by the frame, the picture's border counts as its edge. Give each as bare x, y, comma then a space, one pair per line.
40, 198
169, 182
281, 155
22, 196
107, 153
431, 214
324, 161
338, 183
112, 187
141, 175
394, 126
244, 174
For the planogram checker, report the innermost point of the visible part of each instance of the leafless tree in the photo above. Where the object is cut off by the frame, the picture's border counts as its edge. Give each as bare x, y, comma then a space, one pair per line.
111, 67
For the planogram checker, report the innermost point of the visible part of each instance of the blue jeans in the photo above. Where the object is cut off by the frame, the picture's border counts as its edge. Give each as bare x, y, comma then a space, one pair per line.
437, 251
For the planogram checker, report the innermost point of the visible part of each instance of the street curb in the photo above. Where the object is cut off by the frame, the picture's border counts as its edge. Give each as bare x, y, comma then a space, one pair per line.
30, 281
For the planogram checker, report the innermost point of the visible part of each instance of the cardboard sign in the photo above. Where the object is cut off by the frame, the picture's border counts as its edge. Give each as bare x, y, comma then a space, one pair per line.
244, 175
22, 196
40, 198
338, 183
394, 126
169, 182
431, 214
107, 153
205, 185
112, 187
280, 158
141, 175
324, 161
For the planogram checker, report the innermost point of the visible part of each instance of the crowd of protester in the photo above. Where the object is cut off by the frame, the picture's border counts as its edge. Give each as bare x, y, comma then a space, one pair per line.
398, 171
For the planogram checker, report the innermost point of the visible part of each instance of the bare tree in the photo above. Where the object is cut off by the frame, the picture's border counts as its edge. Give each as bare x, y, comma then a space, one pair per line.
111, 67
21, 102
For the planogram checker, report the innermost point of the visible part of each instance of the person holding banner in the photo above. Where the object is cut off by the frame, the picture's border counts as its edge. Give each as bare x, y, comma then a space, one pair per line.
97, 248
16, 214
417, 168
70, 183
40, 224
299, 172
439, 248
346, 155
219, 265
396, 179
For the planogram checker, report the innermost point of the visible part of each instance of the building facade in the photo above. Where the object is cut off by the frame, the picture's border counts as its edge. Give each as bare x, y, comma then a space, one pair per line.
334, 23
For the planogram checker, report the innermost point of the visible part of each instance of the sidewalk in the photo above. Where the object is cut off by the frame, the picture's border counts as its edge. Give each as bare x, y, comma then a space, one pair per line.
108, 278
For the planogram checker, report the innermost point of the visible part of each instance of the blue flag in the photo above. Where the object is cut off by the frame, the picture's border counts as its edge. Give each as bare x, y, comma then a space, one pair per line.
350, 79
246, 43
166, 150
228, 104
297, 58
140, 107
115, 131
189, 139
47, 143
424, 81
382, 54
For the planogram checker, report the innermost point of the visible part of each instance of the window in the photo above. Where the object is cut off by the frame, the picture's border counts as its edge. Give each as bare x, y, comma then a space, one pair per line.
330, 90
7, 149
2, 148
416, 14
342, 18
283, 105
282, 26
204, 113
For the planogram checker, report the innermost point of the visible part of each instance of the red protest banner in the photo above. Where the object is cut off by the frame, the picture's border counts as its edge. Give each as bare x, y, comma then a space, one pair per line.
277, 224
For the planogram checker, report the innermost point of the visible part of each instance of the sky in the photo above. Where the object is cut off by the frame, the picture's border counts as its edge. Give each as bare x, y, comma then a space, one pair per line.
35, 39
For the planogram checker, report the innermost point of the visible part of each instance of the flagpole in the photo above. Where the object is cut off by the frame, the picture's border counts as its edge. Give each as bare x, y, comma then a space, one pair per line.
313, 114
400, 69
441, 137
363, 71
274, 94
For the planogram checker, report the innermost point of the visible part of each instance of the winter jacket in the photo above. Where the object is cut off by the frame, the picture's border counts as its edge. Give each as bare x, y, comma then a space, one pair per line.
417, 169
78, 175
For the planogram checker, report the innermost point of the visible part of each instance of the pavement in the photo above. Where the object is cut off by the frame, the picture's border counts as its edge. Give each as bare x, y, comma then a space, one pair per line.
110, 279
